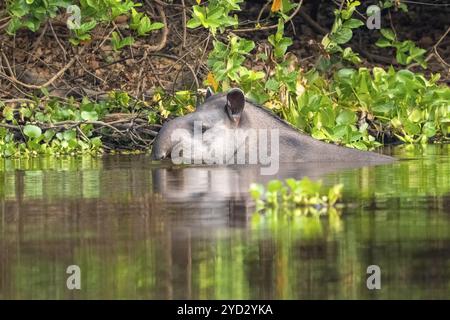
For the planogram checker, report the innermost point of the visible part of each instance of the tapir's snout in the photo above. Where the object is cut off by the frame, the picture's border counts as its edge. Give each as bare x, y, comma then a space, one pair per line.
169, 136
158, 154
162, 146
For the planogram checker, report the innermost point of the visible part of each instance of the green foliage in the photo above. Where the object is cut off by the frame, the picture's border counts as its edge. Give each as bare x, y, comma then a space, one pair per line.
406, 51
181, 103
415, 108
82, 32
106, 10
406, 104
279, 42
54, 141
8, 146
67, 128
395, 4
295, 194
118, 42
226, 61
142, 24
342, 33
215, 15
31, 14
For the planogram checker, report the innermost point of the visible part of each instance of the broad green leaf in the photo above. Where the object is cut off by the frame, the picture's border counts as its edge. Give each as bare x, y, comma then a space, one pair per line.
156, 26
32, 131
353, 23
346, 117
69, 135
388, 34
274, 186
383, 43
89, 115
8, 113
343, 35
415, 115
272, 84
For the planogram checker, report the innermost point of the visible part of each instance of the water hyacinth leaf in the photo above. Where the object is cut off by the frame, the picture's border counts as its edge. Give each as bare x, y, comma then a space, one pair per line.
8, 113
292, 184
339, 132
69, 135
256, 191
156, 26
274, 186
415, 115
383, 107
411, 128
429, 129
383, 43
49, 135
346, 117
272, 84
346, 75
298, 194
32, 131
359, 145
318, 134
96, 142
89, 115
310, 187
334, 194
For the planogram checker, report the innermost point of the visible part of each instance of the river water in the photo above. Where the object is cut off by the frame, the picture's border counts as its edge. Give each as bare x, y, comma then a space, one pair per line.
142, 230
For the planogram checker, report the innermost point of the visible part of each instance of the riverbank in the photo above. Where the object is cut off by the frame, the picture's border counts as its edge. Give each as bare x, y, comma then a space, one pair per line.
61, 95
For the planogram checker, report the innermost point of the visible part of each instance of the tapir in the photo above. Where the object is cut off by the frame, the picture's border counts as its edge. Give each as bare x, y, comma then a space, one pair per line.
230, 112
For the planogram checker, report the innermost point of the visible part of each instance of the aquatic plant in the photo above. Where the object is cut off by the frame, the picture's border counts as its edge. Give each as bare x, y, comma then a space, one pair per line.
52, 126
298, 196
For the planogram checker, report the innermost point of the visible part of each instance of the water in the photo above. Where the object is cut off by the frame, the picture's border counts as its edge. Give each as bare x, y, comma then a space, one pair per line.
150, 231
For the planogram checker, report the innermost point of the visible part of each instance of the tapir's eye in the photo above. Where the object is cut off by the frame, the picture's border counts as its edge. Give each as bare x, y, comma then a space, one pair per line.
204, 128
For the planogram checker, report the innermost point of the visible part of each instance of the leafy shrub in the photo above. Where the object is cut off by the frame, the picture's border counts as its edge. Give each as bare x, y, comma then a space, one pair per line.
406, 51
31, 14
341, 32
215, 15
61, 127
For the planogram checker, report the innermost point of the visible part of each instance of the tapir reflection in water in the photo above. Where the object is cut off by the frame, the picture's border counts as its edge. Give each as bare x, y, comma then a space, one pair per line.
231, 112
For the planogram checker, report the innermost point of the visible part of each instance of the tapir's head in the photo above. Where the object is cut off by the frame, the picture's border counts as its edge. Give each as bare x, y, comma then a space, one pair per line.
210, 120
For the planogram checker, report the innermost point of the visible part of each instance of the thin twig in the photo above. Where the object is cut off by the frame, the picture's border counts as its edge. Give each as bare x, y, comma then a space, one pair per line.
165, 31
262, 28
185, 63
57, 41
183, 44
12, 78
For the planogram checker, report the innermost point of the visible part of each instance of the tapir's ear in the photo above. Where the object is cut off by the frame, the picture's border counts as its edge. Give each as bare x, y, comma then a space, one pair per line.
209, 92
235, 105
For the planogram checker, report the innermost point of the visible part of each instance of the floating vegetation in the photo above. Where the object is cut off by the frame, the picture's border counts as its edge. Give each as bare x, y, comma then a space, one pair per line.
297, 197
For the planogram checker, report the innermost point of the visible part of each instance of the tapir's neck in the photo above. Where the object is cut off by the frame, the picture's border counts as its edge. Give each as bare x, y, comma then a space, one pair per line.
256, 117
296, 146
